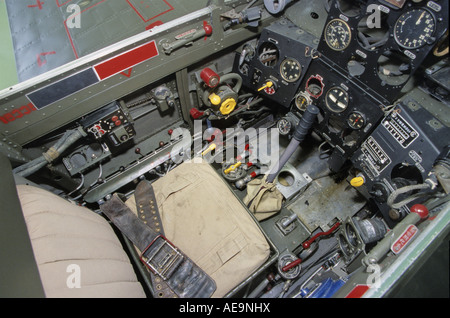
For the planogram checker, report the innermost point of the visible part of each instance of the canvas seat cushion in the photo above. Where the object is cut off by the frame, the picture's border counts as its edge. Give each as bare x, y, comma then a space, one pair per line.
206, 221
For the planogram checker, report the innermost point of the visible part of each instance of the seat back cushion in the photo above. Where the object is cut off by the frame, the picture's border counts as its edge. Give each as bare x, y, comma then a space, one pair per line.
77, 251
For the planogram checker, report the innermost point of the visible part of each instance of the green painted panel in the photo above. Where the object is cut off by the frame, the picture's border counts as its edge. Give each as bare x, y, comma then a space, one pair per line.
7, 60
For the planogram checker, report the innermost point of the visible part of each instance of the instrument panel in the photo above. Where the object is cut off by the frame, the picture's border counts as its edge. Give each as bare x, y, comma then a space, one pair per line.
355, 70
347, 113
358, 40
400, 152
282, 55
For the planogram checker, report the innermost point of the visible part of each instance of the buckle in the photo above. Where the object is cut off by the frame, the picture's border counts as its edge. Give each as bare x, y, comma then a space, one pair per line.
162, 257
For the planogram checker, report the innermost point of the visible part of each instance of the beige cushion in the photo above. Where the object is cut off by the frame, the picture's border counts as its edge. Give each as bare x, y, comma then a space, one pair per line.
203, 218
73, 244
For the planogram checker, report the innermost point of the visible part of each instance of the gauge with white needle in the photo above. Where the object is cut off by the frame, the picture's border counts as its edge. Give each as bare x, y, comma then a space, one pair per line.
337, 99
414, 29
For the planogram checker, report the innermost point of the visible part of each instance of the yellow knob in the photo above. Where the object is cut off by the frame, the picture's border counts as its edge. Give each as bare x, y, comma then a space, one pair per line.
269, 84
357, 182
228, 106
233, 167
210, 148
215, 99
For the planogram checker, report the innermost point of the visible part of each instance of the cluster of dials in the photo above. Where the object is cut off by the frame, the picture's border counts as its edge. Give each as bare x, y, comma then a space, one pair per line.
412, 30
382, 43
275, 66
337, 100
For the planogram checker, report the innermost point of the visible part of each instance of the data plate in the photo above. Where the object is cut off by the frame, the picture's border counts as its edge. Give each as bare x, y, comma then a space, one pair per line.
400, 129
375, 156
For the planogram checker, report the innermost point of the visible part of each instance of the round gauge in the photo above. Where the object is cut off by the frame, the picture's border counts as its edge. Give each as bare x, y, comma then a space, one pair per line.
414, 28
269, 54
356, 120
302, 100
314, 86
290, 70
337, 99
284, 126
338, 34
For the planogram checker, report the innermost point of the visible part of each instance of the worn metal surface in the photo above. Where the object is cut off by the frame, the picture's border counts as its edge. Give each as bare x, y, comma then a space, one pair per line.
339, 200
57, 32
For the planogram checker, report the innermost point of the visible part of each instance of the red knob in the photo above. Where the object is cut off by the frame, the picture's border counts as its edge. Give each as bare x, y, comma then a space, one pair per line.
195, 113
208, 28
211, 78
420, 209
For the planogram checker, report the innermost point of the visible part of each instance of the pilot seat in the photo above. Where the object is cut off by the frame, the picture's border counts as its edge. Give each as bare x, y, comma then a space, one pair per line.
199, 214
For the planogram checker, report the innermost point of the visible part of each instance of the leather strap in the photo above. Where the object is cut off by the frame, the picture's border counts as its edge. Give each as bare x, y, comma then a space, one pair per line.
128, 223
148, 213
147, 208
180, 273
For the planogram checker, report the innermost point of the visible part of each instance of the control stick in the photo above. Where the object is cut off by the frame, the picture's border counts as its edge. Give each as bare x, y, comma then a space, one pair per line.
300, 133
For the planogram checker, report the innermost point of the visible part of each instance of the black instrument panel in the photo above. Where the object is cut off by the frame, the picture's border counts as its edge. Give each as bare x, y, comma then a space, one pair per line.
282, 56
400, 152
347, 112
381, 44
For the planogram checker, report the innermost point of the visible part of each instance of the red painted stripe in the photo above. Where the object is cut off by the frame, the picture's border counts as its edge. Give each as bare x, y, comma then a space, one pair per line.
358, 291
126, 60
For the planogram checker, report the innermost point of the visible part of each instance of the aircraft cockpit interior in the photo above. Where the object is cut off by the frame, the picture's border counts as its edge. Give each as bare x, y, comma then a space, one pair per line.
224, 148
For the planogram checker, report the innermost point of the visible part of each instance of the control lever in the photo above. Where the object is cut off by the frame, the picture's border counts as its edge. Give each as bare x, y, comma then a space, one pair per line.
301, 130
206, 30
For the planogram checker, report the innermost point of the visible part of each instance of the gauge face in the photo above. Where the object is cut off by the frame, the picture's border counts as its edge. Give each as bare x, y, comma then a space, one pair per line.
290, 70
338, 34
284, 126
302, 100
356, 120
414, 28
337, 99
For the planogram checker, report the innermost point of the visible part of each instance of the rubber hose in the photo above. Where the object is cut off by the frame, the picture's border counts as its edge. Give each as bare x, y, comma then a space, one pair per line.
405, 189
223, 79
63, 144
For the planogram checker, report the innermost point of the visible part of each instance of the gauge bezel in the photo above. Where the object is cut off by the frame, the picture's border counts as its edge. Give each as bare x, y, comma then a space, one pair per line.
307, 98
288, 123
348, 29
351, 125
416, 36
329, 106
283, 75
